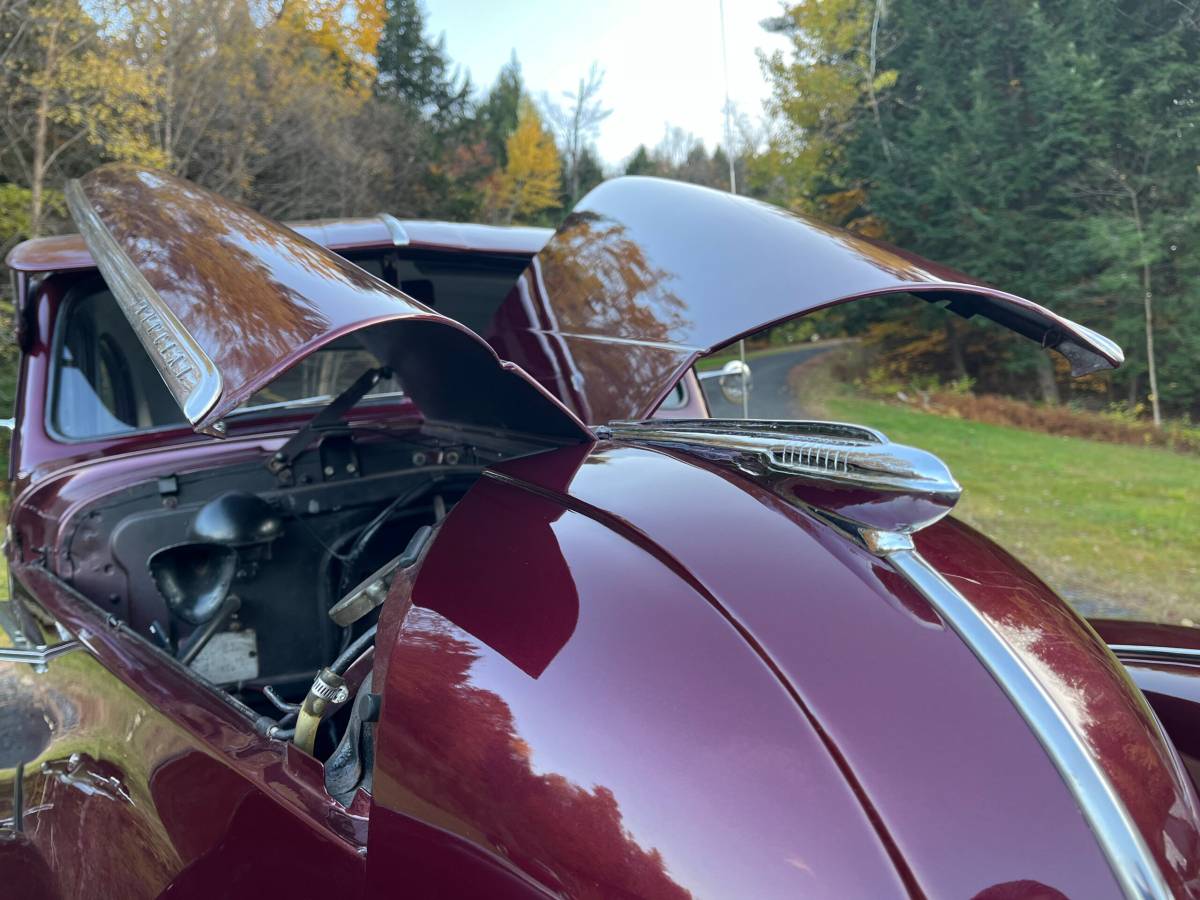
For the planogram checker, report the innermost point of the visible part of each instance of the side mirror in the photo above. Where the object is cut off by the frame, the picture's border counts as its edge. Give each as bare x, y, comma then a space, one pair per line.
733, 378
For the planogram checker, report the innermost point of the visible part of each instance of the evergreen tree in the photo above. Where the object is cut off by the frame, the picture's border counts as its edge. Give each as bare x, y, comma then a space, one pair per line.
1140, 189
499, 112
589, 172
641, 163
415, 70
1047, 147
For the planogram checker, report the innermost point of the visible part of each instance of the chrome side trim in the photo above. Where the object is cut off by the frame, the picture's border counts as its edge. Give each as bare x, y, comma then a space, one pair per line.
1132, 863
396, 231
837, 452
190, 375
1179, 654
39, 655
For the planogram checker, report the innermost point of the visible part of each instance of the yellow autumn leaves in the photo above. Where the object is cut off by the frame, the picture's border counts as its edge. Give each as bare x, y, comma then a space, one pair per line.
531, 180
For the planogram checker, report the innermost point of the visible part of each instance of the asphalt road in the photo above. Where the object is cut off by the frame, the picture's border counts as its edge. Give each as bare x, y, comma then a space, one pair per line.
771, 396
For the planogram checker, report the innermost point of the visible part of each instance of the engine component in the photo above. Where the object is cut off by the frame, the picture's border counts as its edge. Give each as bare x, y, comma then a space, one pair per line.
373, 590
197, 640
359, 547
352, 761
369, 594
330, 415
325, 697
229, 657
236, 519
194, 579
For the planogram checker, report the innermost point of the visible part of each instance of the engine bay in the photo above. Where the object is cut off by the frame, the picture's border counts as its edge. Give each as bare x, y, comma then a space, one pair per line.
267, 580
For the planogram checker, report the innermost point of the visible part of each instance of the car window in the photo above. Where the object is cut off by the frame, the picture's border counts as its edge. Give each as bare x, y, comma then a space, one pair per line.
104, 383
322, 376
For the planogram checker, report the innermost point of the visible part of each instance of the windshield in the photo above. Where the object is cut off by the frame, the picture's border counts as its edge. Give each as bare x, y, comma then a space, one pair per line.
103, 382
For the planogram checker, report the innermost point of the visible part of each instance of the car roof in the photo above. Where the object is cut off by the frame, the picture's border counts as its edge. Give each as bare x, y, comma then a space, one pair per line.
68, 253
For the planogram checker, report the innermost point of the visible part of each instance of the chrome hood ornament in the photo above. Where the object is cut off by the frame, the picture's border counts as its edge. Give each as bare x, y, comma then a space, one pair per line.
849, 472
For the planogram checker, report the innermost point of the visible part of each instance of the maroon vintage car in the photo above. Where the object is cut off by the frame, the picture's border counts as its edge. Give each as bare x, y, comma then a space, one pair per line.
402, 559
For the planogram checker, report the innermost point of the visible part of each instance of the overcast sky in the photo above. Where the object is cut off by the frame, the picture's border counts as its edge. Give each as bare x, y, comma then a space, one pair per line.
662, 58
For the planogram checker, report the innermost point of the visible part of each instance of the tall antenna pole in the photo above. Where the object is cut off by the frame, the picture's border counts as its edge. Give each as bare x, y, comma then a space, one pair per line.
728, 129
732, 190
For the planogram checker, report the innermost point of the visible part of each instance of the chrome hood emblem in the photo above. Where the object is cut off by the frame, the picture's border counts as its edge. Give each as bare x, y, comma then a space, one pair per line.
850, 472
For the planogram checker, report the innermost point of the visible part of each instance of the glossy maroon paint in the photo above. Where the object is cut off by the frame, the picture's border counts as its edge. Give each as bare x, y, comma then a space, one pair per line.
960, 785
883, 510
1171, 683
694, 404
1152, 634
174, 793
569, 705
646, 275
59, 253
1089, 685
257, 298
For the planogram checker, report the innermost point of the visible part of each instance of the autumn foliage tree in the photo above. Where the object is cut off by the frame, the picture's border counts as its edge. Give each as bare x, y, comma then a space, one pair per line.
530, 182
68, 90
821, 91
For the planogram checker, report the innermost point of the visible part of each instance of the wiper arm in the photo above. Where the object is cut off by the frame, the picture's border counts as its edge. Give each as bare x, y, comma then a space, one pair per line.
326, 417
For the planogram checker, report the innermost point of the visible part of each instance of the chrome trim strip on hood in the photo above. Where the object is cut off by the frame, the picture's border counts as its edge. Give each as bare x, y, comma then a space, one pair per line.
830, 453
1122, 844
193, 379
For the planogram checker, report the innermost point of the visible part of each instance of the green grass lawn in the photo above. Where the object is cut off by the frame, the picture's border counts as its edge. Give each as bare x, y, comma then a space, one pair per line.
1105, 521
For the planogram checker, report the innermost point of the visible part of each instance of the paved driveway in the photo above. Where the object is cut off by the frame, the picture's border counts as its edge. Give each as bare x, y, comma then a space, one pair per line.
771, 396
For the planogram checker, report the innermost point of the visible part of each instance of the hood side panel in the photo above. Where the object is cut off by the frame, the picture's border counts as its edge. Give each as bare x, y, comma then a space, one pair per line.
645, 262
207, 281
564, 703
959, 781
593, 378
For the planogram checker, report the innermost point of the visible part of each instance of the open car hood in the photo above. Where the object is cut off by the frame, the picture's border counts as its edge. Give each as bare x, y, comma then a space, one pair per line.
225, 300
647, 275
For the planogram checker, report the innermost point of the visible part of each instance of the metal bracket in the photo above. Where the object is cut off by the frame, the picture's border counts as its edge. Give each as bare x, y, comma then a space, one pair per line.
339, 458
330, 415
17, 621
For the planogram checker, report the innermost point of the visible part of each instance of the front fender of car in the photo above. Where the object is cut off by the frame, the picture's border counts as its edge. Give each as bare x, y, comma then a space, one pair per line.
573, 717
633, 671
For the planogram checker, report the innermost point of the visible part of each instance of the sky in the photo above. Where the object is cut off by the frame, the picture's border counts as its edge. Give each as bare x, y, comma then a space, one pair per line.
661, 58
